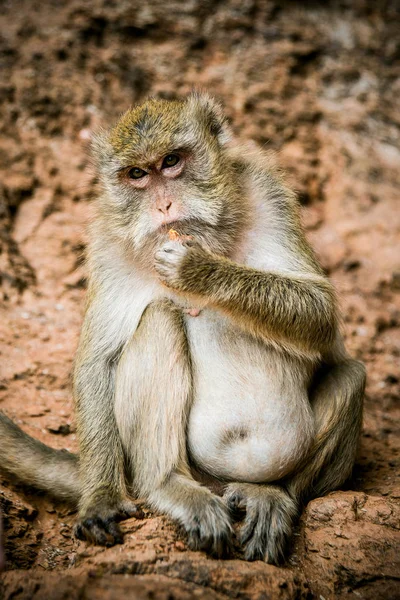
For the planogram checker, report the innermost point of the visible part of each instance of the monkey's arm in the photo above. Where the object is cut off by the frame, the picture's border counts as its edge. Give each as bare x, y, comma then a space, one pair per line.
296, 310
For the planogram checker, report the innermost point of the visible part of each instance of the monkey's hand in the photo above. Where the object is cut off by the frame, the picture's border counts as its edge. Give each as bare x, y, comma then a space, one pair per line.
99, 523
172, 259
297, 311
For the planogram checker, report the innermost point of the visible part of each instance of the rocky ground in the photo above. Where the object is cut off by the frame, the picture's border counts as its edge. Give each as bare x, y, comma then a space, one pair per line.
318, 83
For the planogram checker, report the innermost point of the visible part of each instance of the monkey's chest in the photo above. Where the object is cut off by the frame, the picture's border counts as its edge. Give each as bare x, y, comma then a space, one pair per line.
250, 419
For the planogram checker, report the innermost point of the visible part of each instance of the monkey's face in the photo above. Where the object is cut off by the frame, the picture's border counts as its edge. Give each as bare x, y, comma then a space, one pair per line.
164, 192
163, 166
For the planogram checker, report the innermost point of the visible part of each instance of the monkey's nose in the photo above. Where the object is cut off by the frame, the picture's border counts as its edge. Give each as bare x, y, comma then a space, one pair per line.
164, 206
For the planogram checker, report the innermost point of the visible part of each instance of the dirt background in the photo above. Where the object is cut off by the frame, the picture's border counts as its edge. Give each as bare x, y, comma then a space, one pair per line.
318, 83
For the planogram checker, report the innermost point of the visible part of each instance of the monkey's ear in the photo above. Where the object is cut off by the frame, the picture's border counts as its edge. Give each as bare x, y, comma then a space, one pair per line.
211, 114
101, 148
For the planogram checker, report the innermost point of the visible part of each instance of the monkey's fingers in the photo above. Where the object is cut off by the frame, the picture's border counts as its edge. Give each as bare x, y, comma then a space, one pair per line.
167, 262
100, 524
211, 531
235, 502
98, 531
268, 520
267, 529
218, 545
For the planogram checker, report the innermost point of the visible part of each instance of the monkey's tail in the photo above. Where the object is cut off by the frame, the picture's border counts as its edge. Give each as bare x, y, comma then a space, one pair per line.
337, 401
38, 465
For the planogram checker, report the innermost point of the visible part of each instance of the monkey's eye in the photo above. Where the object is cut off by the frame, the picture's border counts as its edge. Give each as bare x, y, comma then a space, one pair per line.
136, 173
170, 161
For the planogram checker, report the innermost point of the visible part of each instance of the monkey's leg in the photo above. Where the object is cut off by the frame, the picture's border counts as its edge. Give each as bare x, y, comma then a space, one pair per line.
104, 500
337, 403
336, 399
153, 399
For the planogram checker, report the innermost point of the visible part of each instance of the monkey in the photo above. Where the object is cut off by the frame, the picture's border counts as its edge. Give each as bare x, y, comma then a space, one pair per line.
218, 352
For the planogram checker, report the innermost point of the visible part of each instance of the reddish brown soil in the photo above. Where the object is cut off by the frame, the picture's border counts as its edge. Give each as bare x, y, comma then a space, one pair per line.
321, 85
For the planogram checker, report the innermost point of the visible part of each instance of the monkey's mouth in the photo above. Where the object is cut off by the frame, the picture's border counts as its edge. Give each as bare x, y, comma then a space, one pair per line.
179, 225
209, 236
192, 227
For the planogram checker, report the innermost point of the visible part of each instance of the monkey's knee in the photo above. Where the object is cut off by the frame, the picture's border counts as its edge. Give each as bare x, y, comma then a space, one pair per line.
337, 397
337, 403
161, 308
161, 330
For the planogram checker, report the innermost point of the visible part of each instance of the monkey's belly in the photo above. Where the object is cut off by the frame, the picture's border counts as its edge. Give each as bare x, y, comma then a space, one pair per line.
250, 419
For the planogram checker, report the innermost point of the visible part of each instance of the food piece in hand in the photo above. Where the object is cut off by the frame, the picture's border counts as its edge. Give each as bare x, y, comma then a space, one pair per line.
174, 236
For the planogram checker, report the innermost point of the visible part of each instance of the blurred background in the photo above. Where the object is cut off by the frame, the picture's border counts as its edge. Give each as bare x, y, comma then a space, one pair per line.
318, 82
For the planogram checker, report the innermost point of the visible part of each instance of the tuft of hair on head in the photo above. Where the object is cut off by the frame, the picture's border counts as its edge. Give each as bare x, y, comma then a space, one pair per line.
211, 113
100, 147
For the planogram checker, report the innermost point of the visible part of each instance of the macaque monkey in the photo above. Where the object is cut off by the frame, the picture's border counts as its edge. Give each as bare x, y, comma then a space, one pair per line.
215, 350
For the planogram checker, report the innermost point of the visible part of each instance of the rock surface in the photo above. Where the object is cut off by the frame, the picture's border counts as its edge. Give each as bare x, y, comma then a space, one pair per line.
318, 82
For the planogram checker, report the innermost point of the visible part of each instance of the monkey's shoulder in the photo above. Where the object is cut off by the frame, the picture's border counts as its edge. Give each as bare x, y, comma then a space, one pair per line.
274, 238
260, 168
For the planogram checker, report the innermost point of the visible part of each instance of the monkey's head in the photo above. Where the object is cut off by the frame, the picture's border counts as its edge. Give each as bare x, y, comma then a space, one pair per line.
164, 165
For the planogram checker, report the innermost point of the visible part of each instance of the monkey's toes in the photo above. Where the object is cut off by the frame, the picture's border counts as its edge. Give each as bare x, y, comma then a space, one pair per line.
268, 513
210, 530
267, 527
218, 545
263, 541
99, 525
235, 501
98, 531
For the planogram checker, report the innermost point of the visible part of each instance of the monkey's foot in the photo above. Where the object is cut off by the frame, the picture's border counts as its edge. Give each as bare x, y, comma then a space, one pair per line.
209, 528
268, 520
99, 523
